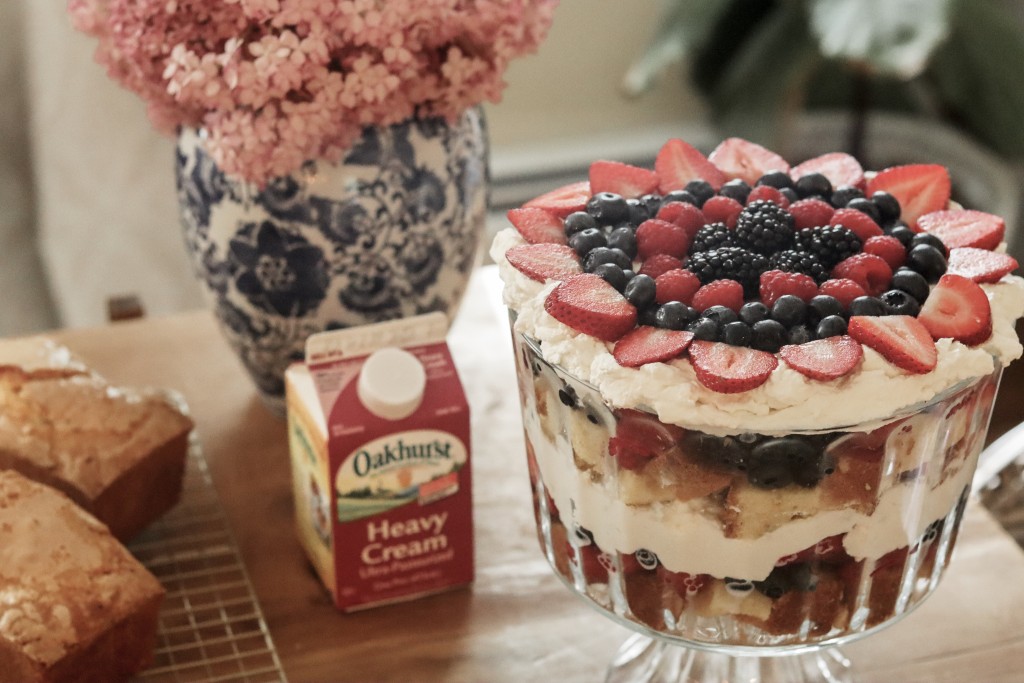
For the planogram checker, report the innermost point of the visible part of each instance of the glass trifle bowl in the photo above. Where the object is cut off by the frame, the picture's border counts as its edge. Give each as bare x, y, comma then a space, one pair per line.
754, 552
754, 398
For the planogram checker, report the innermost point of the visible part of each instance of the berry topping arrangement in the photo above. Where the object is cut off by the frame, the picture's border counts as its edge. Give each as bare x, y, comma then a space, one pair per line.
737, 262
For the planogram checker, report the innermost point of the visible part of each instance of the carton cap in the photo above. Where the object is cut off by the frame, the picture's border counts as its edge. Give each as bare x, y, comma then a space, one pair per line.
391, 383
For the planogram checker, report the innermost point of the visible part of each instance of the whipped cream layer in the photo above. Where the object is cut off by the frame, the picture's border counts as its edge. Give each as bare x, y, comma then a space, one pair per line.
788, 401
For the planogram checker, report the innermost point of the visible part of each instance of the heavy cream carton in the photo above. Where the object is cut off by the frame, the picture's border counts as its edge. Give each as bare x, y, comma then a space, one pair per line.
378, 430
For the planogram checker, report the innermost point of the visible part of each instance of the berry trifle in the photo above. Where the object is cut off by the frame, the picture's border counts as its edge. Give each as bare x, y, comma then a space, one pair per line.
754, 395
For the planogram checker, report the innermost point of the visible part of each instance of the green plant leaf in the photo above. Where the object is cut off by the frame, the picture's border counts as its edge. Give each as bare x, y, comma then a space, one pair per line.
978, 74
684, 25
764, 81
889, 37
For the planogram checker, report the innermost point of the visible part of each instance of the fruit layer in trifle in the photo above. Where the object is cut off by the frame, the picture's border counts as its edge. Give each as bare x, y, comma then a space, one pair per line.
754, 395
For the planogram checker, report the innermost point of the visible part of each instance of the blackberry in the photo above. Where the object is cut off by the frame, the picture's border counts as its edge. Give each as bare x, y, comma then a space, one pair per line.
792, 261
764, 227
711, 236
830, 244
732, 263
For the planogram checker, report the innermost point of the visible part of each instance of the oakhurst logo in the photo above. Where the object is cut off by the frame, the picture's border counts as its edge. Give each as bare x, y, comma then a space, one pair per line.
367, 462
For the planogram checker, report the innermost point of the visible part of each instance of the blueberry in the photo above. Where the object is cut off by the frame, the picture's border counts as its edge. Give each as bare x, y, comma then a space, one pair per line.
679, 196
638, 211
789, 310
911, 282
567, 395
723, 315
930, 240
813, 185
799, 334
587, 239
772, 586
652, 202
843, 194
646, 559
790, 194
726, 451
831, 326
737, 333
675, 315
640, 291
612, 274
769, 335
865, 206
705, 329
700, 189
887, 205
624, 238
777, 179
606, 255
578, 221
822, 306
648, 316
904, 234
608, 208
769, 473
753, 311
928, 261
867, 305
735, 189
900, 303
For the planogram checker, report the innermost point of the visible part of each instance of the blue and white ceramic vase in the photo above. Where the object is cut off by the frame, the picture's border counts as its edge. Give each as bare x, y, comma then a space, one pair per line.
391, 231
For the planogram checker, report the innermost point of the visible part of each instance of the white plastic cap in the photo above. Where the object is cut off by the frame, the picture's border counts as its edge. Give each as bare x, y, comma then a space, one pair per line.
391, 383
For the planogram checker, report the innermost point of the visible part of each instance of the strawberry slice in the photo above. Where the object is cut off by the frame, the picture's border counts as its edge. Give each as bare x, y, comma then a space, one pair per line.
730, 369
537, 226
980, 265
640, 437
622, 179
964, 228
588, 304
840, 169
957, 308
823, 359
900, 339
919, 188
542, 262
739, 158
563, 200
678, 163
648, 344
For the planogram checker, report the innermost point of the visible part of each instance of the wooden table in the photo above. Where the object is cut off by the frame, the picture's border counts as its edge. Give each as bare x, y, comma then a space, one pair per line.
517, 622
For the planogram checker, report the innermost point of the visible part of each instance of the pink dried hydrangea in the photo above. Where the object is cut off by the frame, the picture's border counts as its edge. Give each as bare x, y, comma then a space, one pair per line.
278, 82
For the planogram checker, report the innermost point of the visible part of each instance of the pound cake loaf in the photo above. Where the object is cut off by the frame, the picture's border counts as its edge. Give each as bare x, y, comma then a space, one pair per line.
119, 455
75, 606
754, 395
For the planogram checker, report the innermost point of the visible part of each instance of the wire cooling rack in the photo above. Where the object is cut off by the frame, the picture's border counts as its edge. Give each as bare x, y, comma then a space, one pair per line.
211, 627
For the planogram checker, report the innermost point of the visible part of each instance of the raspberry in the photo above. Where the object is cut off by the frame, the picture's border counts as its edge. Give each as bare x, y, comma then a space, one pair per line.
655, 236
711, 236
767, 193
776, 283
721, 209
810, 213
677, 284
829, 243
658, 264
888, 247
867, 270
860, 223
842, 290
764, 227
686, 216
793, 261
732, 263
728, 293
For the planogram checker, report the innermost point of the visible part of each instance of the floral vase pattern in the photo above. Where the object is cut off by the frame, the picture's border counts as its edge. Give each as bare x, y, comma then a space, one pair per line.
391, 231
